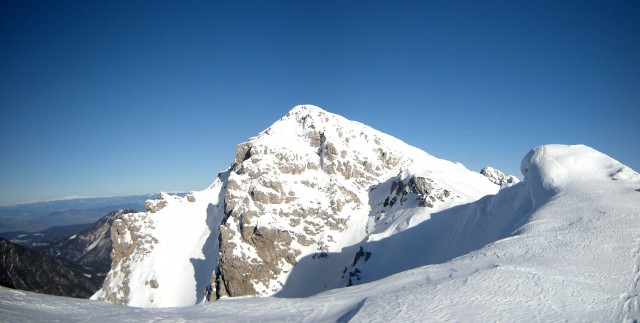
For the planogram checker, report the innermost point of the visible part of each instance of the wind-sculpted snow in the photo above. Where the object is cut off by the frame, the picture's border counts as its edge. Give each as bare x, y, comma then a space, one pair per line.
563, 245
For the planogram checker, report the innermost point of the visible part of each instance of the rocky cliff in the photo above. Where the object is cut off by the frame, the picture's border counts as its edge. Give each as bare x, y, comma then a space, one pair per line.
311, 184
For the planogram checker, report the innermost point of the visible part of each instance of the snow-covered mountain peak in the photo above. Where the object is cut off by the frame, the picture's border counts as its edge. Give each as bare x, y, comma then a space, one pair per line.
311, 116
309, 128
300, 111
300, 119
311, 184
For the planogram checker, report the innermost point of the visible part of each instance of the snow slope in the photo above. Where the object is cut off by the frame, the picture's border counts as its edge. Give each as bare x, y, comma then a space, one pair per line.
566, 246
166, 258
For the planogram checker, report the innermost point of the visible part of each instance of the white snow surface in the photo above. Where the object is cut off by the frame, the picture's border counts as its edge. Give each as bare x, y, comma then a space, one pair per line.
571, 253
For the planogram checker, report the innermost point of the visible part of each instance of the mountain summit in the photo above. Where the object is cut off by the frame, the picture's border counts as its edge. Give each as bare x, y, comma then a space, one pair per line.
311, 184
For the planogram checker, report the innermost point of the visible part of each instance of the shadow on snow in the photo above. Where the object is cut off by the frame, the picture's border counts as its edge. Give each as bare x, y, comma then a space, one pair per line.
446, 235
204, 268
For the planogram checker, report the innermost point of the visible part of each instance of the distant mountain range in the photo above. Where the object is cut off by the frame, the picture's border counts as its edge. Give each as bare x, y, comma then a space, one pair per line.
32, 217
73, 263
33, 239
37, 271
89, 247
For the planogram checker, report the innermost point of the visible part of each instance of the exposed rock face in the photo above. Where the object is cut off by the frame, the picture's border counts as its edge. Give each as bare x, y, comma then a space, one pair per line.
37, 271
130, 243
498, 177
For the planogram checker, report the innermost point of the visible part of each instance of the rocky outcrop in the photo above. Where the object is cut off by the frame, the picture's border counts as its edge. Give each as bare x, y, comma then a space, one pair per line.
499, 178
238, 276
131, 242
426, 190
156, 205
402, 192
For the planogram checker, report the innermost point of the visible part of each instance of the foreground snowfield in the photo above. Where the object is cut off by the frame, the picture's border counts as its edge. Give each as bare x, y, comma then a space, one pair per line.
562, 245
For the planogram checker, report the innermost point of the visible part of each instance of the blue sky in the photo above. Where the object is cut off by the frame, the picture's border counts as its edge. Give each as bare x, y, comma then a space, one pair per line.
123, 97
